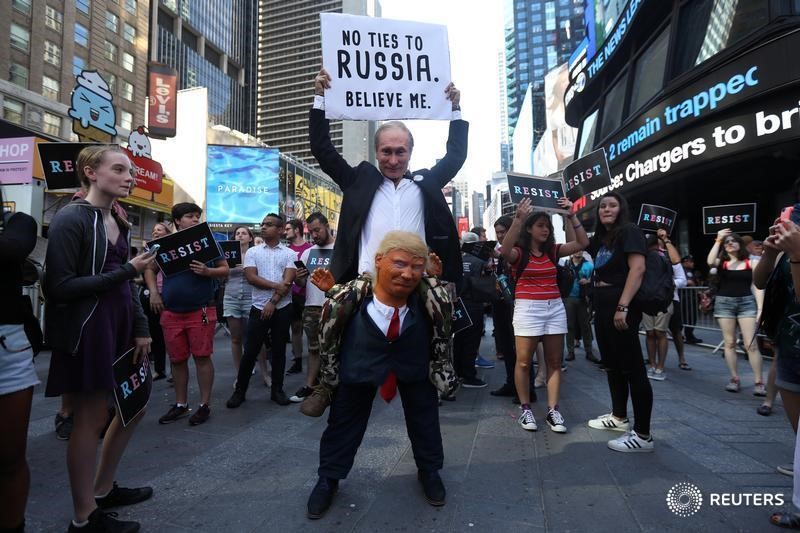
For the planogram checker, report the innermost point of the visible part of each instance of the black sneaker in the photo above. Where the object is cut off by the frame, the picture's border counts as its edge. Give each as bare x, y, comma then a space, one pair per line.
473, 383
200, 416
175, 412
433, 487
321, 497
301, 394
279, 397
100, 522
693, 340
236, 399
296, 368
120, 496
506, 390
64, 426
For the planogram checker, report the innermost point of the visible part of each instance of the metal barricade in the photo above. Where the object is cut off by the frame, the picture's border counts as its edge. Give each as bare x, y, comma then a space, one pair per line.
690, 310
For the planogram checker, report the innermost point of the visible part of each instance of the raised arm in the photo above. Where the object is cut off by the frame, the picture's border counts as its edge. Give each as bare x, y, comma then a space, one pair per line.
713, 254
457, 141
509, 253
577, 239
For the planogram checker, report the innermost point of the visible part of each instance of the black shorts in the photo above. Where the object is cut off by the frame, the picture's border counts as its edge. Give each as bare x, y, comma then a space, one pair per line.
298, 303
676, 320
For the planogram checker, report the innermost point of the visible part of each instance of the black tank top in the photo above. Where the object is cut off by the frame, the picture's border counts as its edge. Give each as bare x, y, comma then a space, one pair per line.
735, 283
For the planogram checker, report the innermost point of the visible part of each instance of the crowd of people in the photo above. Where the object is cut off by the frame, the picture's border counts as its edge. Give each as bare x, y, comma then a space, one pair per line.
377, 310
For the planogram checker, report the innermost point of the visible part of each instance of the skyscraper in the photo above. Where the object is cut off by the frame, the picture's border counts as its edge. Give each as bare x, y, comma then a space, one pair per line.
211, 43
289, 56
540, 36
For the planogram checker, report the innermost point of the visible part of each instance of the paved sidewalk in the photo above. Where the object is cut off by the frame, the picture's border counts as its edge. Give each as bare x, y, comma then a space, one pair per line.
251, 469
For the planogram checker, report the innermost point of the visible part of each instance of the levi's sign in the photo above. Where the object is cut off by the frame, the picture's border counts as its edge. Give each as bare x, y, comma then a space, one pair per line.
739, 218
162, 96
587, 174
543, 192
654, 217
178, 250
385, 69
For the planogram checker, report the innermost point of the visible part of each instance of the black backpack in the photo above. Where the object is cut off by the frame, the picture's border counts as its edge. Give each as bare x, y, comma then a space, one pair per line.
658, 286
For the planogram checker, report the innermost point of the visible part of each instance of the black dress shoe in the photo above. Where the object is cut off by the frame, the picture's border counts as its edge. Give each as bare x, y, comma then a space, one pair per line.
280, 398
433, 487
321, 497
506, 390
236, 399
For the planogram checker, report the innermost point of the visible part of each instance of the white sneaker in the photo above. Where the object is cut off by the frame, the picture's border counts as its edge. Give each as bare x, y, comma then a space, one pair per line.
650, 371
609, 422
631, 442
526, 420
555, 421
658, 375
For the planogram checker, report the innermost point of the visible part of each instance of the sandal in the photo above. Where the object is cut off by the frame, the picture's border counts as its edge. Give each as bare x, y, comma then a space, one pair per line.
764, 410
684, 366
785, 520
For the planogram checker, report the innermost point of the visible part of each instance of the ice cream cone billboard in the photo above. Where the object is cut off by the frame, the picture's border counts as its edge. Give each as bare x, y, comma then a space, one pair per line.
93, 115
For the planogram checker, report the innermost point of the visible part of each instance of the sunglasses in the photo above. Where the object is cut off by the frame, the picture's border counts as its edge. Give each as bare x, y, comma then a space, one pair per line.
730, 241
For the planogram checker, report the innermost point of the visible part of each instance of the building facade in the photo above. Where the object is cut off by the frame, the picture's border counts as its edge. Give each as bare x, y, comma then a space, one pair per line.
289, 56
211, 43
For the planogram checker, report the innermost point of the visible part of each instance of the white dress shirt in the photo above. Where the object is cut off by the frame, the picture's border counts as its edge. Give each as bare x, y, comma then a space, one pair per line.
270, 263
381, 314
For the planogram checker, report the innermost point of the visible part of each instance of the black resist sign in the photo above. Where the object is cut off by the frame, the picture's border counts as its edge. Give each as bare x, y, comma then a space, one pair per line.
654, 217
232, 250
543, 192
739, 218
319, 258
58, 164
178, 250
587, 174
132, 385
461, 319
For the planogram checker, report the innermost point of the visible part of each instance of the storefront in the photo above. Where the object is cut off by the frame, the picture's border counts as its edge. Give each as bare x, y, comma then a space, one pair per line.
696, 103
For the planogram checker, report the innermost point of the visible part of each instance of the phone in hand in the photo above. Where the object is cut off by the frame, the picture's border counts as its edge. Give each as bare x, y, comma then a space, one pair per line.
300, 264
153, 250
786, 213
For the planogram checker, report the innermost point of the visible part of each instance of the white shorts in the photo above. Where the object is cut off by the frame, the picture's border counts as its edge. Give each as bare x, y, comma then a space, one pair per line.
534, 318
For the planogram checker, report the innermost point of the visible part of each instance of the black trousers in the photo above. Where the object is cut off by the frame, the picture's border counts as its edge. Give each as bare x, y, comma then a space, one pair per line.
502, 316
347, 422
578, 324
276, 328
621, 353
158, 349
467, 341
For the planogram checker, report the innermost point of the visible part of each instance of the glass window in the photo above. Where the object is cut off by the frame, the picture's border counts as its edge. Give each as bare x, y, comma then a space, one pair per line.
112, 83
81, 35
84, 5
709, 26
51, 124
112, 21
51, 88
110, 51
648, 75
20, 37
613, 105
13, 110
23, 6
586, 142
126, 120
18, 75
52, 53
78, 64
126, 90
128, 33
130, 6
128, 61
53, 19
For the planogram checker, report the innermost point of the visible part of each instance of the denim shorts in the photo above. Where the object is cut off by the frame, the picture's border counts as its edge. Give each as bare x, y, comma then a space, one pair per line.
735, 307
236, 307
788, 361
16, 360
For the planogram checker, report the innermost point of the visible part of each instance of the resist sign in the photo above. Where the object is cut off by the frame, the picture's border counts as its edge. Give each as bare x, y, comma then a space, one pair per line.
385, 69
654, 217
178, 250
740, 218
543, 192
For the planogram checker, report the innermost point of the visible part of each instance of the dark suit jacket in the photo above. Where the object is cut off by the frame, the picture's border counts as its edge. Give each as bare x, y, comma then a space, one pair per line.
360, 183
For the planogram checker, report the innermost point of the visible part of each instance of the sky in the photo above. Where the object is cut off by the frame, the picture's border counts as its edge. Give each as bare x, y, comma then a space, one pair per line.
475, 32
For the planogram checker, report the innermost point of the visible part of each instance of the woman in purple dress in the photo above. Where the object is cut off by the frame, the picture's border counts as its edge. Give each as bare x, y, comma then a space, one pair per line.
93, 317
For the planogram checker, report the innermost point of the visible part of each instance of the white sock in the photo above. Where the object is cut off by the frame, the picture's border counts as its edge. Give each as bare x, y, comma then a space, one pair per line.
182, 404
80, 524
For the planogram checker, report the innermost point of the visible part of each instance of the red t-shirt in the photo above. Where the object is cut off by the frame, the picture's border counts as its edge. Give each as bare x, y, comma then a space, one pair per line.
538, 280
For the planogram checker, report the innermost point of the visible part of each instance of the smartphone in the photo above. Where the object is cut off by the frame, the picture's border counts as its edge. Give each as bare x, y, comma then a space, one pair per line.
300, 264
154, 249
786, 213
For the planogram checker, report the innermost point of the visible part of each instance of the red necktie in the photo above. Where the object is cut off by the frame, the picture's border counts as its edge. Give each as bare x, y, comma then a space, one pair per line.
389, 387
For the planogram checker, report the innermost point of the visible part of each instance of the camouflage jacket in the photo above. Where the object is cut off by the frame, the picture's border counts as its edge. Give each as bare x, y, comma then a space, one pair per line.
345, 299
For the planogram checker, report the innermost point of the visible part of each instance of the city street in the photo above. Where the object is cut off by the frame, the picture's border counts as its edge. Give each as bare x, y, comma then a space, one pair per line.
251, 469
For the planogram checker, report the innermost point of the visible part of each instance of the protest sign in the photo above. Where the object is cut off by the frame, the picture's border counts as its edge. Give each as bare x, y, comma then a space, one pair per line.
59, 166
739, 218
178, 250
480, 249
232, 250
587, 174
461, 319
385, 69
319, 258
543, 192
132, 385
654, 217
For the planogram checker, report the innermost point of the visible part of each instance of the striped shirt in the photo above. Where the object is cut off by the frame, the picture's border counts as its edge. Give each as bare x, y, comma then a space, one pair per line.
538, 280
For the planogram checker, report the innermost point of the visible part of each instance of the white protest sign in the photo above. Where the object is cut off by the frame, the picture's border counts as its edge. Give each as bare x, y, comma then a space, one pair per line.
384, 69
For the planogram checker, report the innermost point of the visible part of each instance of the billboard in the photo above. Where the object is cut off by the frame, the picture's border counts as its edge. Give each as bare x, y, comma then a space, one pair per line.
162, 96
241, 184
